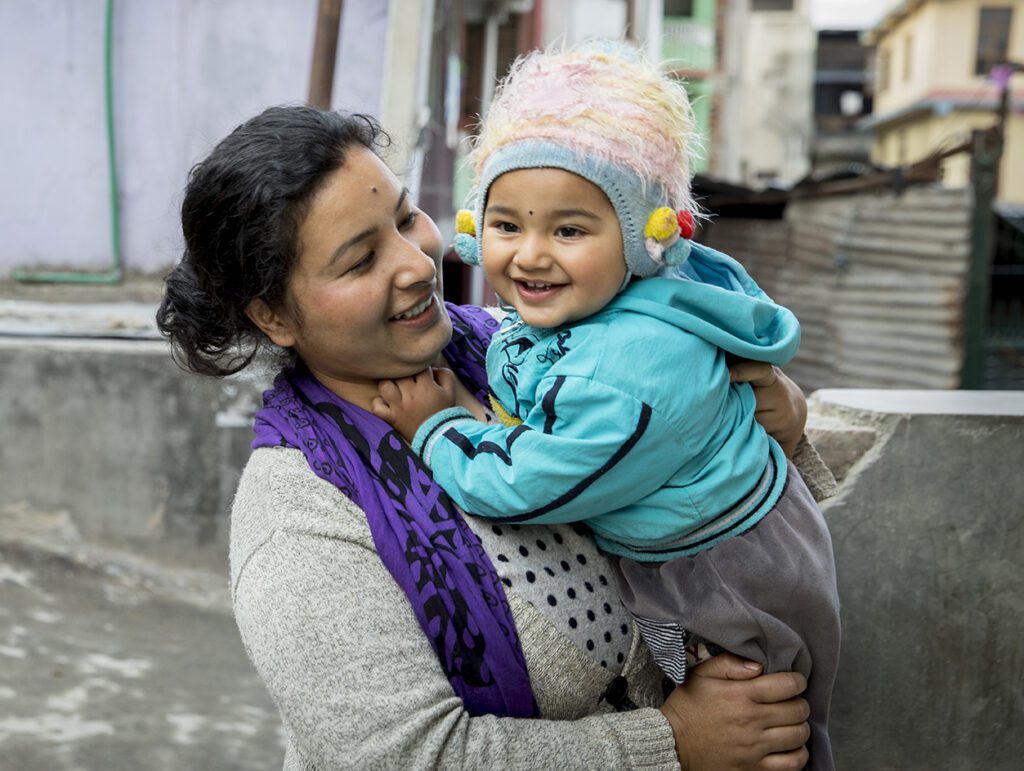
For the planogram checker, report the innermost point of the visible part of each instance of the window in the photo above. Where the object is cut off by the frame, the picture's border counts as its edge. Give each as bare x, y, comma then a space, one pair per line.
771, 5
678, 8
883, 69
993, 38
908, 57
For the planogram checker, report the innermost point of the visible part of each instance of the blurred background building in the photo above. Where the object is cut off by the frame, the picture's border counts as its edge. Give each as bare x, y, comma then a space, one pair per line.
933, 84
114, 101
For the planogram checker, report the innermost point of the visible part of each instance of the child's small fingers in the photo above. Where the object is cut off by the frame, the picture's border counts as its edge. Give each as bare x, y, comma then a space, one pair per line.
444, 378
389, 391
380, 408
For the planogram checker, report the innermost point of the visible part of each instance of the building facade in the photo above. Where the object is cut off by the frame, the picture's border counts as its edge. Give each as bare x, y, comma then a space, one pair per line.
932, 84
841, 99
765, 84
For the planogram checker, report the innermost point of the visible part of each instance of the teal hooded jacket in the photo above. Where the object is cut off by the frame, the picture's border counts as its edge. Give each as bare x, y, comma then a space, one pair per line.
626, 420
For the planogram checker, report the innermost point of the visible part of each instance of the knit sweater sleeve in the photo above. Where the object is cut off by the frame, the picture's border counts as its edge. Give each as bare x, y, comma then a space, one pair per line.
355, 680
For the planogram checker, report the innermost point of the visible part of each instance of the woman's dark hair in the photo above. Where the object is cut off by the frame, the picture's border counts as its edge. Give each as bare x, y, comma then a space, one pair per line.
242, 210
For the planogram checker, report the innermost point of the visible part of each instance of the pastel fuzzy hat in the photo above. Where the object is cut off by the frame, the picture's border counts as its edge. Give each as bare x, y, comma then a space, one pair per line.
604, 112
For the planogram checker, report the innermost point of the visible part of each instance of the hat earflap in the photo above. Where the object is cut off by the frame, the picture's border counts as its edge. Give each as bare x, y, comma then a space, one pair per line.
465, 243
667, 236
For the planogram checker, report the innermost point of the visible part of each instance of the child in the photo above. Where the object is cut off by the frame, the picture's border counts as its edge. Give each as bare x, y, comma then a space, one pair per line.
610, 380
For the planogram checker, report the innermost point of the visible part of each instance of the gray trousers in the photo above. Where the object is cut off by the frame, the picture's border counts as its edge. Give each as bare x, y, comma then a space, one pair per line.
768, 595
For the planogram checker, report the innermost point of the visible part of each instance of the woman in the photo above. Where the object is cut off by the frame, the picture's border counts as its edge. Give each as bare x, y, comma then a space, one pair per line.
390, 630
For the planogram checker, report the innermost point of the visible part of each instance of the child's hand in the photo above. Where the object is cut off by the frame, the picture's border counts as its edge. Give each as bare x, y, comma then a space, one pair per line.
407, 402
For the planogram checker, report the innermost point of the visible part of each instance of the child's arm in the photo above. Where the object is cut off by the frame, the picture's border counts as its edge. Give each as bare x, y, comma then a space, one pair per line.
408, 402
587, 448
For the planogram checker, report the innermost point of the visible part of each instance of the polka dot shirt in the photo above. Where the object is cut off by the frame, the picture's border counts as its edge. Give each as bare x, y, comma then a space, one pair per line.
559, 570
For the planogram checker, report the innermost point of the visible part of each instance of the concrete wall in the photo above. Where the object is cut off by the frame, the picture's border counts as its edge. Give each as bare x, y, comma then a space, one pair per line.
185, 74
114, 434
928, 528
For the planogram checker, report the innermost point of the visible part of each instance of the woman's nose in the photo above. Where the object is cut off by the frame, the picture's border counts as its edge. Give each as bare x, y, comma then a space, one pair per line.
414, 267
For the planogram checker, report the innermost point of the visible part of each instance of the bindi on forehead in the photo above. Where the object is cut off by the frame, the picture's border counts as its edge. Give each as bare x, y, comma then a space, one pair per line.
373, 188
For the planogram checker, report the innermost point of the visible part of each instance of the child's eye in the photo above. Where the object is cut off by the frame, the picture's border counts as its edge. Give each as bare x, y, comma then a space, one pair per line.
568, 231
506, 227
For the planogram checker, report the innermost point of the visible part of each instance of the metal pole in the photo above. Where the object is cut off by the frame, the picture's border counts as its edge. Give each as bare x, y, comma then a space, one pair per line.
325, 52
984, 178
986, 156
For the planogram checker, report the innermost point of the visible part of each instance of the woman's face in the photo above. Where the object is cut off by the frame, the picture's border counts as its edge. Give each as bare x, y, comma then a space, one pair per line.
365, 294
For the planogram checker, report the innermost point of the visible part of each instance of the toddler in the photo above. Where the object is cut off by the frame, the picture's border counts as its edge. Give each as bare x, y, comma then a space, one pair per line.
609, 378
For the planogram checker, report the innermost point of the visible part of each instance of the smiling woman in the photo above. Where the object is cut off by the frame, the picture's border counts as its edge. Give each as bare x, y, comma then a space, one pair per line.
368, 304
390, 629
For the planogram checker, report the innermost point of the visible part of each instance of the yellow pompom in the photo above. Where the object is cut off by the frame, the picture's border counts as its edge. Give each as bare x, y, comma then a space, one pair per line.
502, 414
661, 224
464, 222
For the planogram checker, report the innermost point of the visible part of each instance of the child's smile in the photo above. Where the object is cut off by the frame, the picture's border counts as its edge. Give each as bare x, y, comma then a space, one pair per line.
552, 245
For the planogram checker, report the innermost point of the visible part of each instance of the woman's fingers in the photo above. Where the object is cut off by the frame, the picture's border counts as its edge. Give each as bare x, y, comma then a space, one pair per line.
758, 373
726, 666
785, 761
778, 687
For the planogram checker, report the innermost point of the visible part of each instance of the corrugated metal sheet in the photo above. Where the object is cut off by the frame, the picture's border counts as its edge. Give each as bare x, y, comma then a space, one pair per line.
877, 281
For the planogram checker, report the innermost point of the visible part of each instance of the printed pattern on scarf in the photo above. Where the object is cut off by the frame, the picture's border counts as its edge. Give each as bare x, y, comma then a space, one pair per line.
420, 535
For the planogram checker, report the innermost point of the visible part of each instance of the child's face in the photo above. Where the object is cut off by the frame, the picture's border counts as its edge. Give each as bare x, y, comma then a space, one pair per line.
552, 246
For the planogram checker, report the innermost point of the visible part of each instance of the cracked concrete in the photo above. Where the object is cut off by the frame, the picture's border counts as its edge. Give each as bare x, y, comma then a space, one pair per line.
110, 662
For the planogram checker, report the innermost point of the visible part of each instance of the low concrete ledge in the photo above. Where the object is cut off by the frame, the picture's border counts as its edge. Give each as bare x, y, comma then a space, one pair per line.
112, 432
928, 529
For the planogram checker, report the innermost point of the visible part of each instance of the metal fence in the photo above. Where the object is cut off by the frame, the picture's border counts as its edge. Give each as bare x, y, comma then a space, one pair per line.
876, 279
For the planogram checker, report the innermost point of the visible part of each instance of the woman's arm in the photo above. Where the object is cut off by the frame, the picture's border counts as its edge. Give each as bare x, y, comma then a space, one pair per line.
781, 406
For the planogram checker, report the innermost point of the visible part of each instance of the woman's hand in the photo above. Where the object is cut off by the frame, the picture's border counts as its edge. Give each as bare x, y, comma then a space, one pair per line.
781, 406
726, 716
407, 402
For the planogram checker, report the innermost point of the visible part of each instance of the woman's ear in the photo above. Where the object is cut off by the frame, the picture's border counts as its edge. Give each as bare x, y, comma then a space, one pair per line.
275, 325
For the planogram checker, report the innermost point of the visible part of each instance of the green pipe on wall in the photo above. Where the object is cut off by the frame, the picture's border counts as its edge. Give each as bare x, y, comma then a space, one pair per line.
114, 274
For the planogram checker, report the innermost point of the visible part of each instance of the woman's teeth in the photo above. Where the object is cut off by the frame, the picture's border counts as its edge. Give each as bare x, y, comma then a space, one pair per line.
415, 310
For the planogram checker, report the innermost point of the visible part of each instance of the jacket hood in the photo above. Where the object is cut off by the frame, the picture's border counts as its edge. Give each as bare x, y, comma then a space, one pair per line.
712, 296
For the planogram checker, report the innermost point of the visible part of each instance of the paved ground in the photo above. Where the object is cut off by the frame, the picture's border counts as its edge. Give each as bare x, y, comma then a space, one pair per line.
108, 661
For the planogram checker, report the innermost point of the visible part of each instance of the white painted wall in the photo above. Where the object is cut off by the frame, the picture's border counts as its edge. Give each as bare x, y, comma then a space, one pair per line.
185, 74
767, 93
578, 20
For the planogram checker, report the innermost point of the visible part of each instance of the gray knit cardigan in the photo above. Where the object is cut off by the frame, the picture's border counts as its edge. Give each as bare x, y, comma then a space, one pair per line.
355, 680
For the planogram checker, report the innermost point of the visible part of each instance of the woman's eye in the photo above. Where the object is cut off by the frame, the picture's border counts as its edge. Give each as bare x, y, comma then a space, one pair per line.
363, 264
409, 220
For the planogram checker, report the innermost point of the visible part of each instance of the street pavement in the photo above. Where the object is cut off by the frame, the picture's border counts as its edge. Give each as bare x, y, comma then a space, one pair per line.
111, 661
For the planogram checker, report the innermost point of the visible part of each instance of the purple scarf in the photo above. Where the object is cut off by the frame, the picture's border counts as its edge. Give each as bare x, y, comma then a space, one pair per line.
420, 536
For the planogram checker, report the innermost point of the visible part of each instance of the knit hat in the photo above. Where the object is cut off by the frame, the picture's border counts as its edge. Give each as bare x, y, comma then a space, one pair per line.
605, 113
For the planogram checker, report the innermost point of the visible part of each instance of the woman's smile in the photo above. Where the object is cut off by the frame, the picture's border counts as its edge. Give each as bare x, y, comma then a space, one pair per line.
422, 314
